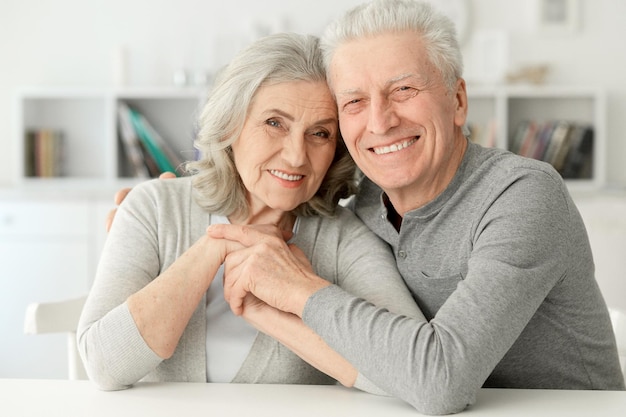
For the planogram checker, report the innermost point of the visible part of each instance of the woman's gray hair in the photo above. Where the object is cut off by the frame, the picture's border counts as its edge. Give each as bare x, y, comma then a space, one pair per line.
384, 16
274, 59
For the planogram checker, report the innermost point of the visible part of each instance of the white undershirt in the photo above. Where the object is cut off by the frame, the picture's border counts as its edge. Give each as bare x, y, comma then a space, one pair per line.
228, 337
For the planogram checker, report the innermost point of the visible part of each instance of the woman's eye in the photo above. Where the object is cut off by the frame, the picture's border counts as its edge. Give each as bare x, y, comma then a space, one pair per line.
272, 122
321, 136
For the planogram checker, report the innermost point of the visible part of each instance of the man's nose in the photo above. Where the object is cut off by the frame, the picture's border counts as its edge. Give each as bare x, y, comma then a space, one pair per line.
382, 116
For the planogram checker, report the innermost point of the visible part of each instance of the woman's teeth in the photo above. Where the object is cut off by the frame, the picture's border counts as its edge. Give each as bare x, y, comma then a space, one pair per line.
284, 176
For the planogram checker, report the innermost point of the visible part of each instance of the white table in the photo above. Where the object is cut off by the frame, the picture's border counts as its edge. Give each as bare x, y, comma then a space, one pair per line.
23, 397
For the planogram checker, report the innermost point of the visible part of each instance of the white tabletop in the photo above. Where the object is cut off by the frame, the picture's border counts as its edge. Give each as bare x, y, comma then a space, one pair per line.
23, 397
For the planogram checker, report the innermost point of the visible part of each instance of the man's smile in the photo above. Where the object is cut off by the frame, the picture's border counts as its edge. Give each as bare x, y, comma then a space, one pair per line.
395, 147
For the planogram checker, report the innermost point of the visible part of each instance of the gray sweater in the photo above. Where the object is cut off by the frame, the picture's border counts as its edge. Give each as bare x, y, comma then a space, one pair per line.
156, 223
501, 266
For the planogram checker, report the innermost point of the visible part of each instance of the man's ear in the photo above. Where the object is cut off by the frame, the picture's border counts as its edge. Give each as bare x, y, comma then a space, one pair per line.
460, 95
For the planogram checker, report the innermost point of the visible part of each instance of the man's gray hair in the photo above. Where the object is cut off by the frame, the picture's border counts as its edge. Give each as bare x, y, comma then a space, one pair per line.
385, 16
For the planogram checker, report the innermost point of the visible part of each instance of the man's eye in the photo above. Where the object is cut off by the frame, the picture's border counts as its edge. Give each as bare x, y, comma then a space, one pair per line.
353, 106
404, 92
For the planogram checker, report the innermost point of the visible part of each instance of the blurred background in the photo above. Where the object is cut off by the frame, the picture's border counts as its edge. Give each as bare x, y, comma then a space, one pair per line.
70, 62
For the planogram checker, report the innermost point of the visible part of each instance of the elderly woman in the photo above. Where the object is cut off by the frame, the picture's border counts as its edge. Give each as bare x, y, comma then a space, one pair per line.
271, 154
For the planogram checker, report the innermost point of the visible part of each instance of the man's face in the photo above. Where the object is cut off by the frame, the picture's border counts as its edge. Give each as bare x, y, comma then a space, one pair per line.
400, 122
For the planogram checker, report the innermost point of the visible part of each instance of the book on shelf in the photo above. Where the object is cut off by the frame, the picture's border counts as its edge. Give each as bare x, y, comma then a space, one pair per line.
566, 145
130, 140
147, 152
579, 159
43, 153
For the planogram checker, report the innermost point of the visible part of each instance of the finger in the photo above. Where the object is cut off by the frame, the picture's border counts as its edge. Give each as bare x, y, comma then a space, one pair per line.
246, 235
235, 290
109, 219
121, 195
167, 175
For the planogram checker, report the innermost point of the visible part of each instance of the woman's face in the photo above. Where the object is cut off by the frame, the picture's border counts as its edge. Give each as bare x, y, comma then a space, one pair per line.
287, 144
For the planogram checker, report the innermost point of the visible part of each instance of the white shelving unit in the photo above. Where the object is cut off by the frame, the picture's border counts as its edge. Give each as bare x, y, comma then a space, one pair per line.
87, 118
93, 156
509, 105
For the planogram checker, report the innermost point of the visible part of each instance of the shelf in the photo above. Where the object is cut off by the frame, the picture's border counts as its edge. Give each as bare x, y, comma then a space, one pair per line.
87, 122
94, 154
496, 112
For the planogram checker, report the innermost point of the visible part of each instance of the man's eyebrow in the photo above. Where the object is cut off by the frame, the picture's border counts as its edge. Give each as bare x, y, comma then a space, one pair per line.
348, 92
388, 83
399, 78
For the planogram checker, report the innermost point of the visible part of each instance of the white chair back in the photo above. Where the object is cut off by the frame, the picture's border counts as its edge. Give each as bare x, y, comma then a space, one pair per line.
59, 317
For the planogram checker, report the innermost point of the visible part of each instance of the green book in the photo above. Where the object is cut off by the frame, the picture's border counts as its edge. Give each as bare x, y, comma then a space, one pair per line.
143, 132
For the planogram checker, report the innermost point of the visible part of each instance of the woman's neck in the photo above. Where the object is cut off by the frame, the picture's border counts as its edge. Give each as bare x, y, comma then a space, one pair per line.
283, 220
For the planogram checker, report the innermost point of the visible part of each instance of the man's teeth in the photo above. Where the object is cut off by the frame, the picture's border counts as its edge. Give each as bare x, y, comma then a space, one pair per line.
284, 176
395, 147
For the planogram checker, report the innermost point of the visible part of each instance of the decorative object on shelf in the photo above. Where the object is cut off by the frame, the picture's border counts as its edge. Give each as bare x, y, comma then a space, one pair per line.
532, 74
119, 66
558, 17
492, 55
180, 77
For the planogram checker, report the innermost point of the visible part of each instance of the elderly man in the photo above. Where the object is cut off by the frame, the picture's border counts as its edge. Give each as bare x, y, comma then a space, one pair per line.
490, 244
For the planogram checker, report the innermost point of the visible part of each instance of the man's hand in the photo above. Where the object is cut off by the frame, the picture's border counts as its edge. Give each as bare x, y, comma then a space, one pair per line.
120, 195
276, 273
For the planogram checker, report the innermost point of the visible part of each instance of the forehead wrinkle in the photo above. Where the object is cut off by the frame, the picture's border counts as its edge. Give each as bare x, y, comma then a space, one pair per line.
387, 84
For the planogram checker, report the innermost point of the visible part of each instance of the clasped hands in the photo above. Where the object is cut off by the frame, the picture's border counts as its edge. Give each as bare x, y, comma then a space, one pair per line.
265, 268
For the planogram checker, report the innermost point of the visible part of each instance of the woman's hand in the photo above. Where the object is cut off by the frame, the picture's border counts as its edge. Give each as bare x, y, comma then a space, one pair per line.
276, 273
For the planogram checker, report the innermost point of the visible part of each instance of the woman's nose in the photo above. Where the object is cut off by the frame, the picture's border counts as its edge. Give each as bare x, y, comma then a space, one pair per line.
294, 149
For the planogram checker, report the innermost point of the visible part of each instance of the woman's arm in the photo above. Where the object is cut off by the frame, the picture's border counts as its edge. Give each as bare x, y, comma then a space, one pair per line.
138, 307
289, 330
163, 308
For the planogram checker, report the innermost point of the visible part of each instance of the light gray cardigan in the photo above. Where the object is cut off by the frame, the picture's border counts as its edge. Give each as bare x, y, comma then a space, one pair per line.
157, 222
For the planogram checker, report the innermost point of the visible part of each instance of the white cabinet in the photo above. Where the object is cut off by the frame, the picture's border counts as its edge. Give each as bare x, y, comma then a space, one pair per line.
497, 112
49, 247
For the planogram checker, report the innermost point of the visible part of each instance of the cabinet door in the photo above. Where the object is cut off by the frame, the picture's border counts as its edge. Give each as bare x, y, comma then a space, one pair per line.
44, 256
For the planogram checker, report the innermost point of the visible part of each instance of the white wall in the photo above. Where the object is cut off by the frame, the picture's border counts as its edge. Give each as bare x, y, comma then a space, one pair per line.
72, 42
